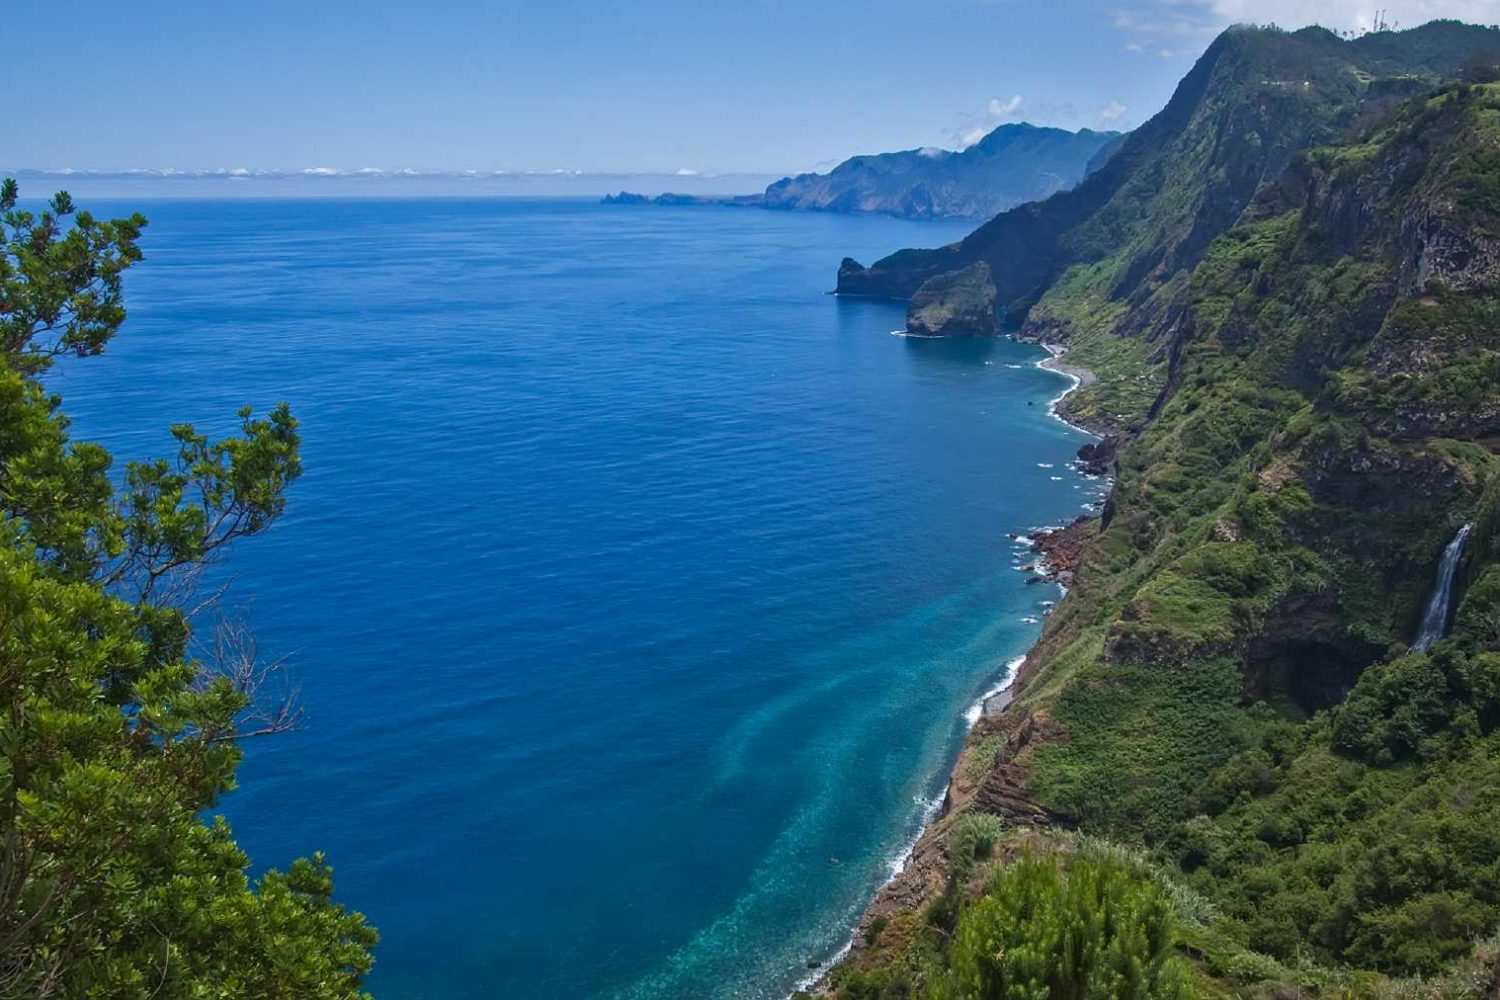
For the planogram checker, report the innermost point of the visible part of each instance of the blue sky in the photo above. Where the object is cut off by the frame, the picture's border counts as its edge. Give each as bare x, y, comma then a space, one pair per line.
754, 85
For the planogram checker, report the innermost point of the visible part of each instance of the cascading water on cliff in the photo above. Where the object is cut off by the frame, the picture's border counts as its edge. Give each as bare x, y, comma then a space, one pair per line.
1435, 619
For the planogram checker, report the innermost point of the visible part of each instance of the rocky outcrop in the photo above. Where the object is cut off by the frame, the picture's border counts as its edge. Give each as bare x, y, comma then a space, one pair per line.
1097, 458
959, 304
897, 276
1061, 550
1003, 790
1444, 250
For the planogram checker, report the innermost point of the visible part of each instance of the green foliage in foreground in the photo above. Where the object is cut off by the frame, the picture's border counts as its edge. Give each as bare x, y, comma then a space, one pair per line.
1092, 929
114, 737
1048, 926
973, 840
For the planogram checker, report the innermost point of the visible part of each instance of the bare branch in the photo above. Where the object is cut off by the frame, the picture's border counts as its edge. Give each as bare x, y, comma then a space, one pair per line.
271, 694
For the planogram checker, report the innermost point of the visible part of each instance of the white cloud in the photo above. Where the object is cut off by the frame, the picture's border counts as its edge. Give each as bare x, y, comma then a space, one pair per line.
1111, 115
1007, 108
970, 136
321, 171
1173, 28
975, 127
687, 172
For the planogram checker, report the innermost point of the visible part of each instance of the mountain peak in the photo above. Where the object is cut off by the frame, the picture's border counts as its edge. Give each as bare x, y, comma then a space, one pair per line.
1252, 102
1015, 163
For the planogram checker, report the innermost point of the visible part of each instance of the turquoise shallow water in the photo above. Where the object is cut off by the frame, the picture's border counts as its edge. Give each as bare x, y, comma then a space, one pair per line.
636, 587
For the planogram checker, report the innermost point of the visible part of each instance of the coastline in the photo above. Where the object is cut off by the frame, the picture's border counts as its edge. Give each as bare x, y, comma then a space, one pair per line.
987, 706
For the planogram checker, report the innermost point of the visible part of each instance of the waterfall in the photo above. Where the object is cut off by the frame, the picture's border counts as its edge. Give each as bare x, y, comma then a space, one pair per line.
1435, 618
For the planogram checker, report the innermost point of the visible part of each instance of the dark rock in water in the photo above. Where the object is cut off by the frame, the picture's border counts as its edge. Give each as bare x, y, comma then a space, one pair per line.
959, 304
1098, 457
625, 198
1035, 579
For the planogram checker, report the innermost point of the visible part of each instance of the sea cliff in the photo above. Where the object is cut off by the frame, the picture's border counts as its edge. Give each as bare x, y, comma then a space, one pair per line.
1286, 284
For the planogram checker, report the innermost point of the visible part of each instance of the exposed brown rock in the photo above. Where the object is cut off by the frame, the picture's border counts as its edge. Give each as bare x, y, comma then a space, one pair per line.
1062, 549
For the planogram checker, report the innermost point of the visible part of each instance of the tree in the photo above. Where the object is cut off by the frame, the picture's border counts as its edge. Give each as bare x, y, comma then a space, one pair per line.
114, 737
1481, 67
1047, 931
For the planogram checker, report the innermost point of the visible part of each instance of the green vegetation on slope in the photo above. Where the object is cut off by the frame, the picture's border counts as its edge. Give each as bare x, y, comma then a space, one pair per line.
1307, 389
1071, 924
1282, 515
1104, 267
116, 736
1372, 836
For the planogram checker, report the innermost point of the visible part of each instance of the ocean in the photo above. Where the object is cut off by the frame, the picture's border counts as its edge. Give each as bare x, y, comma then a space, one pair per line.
636, 588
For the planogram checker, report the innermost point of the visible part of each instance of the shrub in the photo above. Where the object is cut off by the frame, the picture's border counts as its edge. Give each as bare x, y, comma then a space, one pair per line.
974, 838
1091, 929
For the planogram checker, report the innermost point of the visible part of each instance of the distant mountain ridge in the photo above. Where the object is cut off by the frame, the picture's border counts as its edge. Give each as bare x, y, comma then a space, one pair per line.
1252, 103
1010, 166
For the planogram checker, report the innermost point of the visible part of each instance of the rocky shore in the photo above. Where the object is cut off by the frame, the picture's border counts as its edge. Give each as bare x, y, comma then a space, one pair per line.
1059, 550
1287, 280
996, 785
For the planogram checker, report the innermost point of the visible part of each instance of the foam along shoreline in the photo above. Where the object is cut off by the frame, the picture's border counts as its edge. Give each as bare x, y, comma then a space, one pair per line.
1081, 378
931, 808
998, 696
992, 702
897, 860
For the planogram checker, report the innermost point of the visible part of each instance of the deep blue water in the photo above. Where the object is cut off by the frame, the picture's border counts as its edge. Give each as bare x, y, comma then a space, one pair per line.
635, 586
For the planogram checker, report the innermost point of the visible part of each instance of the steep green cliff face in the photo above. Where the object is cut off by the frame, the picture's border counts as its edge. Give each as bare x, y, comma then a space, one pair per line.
1329, 420
1108, 249
1299, 351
